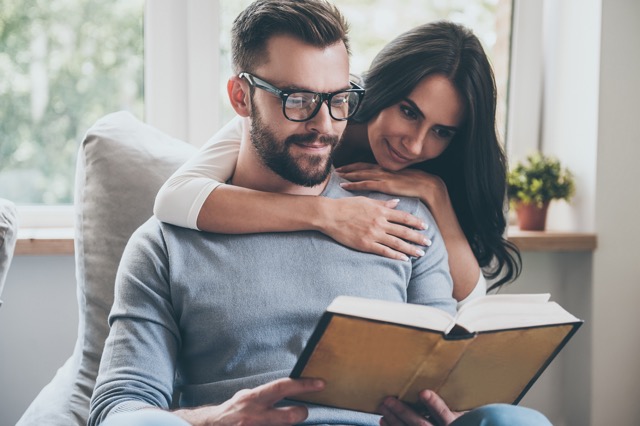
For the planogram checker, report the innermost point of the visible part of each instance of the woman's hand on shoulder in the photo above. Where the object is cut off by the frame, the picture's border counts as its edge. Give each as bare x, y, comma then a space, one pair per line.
406, 182
374, 226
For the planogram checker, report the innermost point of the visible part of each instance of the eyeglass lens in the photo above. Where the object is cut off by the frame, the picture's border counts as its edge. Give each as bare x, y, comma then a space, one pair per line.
302, 105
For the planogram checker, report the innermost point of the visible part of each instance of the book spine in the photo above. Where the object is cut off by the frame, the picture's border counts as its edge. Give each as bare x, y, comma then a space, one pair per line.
311, 345
438, 362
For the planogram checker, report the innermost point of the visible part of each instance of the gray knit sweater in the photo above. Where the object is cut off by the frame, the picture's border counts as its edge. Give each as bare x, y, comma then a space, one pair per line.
203, 315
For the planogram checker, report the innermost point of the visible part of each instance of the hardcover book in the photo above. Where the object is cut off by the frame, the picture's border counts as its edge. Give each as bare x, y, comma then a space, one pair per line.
492, 351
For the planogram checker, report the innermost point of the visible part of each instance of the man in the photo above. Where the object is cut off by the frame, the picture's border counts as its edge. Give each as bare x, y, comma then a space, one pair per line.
221, 319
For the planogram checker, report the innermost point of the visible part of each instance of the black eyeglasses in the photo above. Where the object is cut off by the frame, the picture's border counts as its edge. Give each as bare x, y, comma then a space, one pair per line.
303, 105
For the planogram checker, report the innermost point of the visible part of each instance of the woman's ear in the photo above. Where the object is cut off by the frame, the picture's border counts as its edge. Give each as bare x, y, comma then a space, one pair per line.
238, 91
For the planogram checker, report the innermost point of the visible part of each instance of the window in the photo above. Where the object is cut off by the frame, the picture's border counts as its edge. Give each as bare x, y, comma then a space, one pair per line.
64, 64
373, 23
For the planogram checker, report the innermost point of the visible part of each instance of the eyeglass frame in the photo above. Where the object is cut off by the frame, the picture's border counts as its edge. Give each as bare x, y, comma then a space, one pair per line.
324, 97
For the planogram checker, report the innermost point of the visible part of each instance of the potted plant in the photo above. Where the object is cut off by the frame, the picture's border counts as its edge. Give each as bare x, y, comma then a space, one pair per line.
533, 184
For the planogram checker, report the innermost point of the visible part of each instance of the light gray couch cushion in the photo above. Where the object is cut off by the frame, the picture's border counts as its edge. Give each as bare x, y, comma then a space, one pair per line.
8, 236
121, 164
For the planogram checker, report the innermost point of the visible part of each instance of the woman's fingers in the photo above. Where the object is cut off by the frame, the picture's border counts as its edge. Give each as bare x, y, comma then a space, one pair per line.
376, 226
399, 242
401, 233
407, 182
408, 221
398, 235
357, 166
367, 185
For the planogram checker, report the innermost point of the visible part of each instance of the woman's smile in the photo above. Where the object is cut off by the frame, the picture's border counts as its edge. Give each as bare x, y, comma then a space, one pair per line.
396, 155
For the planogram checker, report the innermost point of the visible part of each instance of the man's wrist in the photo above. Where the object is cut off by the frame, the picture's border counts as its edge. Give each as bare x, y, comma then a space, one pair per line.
189, 415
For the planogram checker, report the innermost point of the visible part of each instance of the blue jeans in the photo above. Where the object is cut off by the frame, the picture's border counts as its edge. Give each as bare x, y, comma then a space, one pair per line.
502, 415
489, 415
144, 418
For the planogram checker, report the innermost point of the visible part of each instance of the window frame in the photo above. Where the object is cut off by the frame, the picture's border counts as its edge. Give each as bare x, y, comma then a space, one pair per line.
524, 99
182, 68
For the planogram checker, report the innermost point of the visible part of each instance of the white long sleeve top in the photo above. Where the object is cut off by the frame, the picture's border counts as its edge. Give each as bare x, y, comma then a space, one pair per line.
181, 197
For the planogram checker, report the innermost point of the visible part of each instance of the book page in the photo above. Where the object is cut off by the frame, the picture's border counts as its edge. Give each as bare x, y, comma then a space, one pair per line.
498, 312
394, 312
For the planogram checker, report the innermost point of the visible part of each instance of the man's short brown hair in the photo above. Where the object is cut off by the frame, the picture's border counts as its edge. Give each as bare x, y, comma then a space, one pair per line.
316, 22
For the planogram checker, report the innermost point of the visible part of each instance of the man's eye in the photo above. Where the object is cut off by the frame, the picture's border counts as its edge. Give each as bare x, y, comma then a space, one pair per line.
299, 100
408, 112
340, 99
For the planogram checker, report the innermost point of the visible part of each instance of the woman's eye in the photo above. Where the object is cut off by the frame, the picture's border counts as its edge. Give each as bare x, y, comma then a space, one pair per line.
444, 133
408, 112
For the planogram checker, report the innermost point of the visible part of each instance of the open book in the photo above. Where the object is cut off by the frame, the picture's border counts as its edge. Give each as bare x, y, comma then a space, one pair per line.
492, 351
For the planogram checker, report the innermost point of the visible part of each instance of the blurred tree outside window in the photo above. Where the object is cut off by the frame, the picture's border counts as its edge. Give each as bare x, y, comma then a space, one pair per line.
63, 65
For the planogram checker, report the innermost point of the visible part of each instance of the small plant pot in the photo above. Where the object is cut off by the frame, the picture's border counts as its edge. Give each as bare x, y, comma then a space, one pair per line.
531, 217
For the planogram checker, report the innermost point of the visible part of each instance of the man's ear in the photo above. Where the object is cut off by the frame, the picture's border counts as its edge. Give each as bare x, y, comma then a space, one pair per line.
238, 91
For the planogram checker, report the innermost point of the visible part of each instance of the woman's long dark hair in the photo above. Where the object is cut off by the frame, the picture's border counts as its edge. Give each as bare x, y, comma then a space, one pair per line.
474, 165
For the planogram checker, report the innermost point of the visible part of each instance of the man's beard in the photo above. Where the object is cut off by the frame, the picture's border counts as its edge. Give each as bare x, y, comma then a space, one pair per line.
306, 169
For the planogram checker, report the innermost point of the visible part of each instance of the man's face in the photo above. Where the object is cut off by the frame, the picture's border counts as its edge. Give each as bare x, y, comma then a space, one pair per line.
300, 152
288, 157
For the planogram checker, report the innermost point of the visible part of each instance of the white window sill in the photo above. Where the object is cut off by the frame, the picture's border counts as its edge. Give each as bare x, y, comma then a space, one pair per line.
44, 241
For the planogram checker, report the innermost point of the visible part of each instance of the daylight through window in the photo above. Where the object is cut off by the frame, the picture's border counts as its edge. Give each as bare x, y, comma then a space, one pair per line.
64, 64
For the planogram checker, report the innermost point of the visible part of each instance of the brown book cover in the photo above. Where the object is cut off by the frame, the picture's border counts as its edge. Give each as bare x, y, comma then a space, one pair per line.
492, 351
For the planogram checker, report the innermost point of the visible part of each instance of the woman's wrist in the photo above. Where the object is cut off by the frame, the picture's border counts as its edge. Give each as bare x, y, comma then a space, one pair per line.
319, 213
436, 197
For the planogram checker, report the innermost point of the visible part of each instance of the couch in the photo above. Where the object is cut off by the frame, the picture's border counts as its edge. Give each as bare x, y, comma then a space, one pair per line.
122, 162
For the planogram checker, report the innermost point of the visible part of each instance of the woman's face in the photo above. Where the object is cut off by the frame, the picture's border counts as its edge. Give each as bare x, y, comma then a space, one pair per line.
419, 127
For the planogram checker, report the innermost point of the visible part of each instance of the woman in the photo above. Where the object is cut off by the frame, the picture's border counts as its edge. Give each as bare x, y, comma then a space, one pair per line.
428, 121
